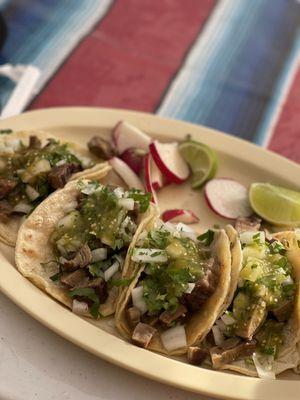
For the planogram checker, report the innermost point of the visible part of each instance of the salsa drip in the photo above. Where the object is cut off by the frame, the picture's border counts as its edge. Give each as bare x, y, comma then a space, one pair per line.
91, 241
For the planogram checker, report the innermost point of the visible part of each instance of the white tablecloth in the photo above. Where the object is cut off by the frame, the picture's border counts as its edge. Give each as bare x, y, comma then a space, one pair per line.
35, 363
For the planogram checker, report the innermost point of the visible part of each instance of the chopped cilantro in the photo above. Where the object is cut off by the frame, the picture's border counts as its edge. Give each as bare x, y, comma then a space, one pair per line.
207, 237
256, 238
56, 276
277, 248
142, 198
120, 282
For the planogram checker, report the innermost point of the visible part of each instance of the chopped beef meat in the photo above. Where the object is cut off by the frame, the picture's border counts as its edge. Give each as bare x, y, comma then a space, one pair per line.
59, 176
168, 317
231, 342
256, 318
196, 355
221, 357
5, 211
100, 287
150, 319
101, 148
6, 186
284, 311
143, 334
243, 224
133, 316
34, 142
204, 288
74, 279
80, 260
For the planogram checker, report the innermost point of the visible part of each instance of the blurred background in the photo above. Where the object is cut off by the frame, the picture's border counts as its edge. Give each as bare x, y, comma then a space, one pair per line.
229, 64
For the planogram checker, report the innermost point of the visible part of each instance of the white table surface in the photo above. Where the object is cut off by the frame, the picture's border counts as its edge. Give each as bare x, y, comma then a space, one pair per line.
36, 363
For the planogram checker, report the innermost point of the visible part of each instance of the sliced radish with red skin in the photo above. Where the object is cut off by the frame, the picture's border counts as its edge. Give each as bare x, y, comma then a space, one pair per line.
180, 215
169, 161
227, 198
148, 178
133, 158
156, 176
126, 136
126, 173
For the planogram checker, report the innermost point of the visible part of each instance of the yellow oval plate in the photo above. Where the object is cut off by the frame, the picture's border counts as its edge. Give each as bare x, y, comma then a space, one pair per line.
239, 160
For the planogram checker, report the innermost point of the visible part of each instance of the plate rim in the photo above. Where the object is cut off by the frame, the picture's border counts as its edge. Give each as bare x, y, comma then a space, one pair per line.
156, 367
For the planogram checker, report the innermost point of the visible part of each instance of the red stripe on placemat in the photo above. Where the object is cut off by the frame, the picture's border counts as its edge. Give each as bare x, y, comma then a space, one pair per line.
130, 58
286, 136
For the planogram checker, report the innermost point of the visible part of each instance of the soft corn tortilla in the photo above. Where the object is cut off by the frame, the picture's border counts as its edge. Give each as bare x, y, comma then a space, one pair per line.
9, 230
289, 356
33, 247
200, 322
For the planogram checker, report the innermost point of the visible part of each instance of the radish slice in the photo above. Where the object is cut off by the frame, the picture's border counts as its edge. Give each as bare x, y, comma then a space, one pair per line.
227, 198
148, 178
127, 203
126, 173
174, 338
156, 176
126, 135
179, 215
133, 158
169, 161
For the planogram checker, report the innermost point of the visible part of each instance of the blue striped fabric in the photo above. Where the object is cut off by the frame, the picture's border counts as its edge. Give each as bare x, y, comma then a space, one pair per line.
44, 32
231, 74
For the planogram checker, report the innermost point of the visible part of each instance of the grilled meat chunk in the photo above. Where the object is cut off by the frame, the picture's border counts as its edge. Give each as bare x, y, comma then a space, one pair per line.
204, 288
59, 176
243, 224
168, 317
5, 211
133, 316
256, 318
143, 334
74, 279
100, 287
101, 148
284, 311
6, 186
196, 355
221, 356
34, 142
80, 260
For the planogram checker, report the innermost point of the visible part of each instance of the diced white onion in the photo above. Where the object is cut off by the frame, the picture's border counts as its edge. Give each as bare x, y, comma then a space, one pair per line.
111, 271
186, 232
119, 192
70, 206
85, 161
90, 188
247, 237
149, 255
227, 319
99, 254
218, 336
61, 162
174, 338
128, 203
288, 281
190, 287
137, 299
120, 259
22, 208
66, 221
31, 193
262, 371
79, 307
51, 268
169, 227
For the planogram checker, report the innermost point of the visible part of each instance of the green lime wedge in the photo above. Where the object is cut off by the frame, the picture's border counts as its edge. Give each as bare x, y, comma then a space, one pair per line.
275, 204
201, 159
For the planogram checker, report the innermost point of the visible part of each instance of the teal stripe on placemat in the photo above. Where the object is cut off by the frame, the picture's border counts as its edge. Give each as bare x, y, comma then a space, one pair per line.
44, 32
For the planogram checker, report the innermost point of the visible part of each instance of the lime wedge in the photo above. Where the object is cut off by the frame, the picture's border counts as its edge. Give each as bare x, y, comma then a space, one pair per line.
201, 159
275, 204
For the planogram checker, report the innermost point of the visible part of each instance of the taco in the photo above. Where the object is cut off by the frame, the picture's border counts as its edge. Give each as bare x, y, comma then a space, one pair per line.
73, 245
179, 284
258, 333
32, 165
